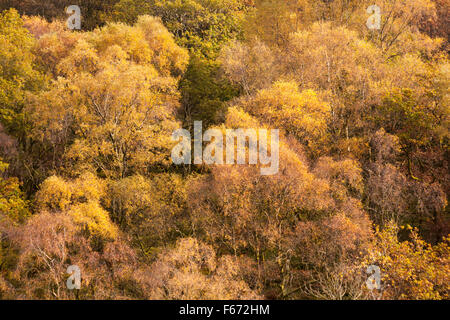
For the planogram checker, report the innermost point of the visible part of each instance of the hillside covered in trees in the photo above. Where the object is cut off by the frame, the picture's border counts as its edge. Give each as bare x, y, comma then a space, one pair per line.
87, 176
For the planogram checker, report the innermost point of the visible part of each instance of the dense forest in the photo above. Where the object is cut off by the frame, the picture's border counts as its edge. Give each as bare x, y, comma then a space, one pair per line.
86, 133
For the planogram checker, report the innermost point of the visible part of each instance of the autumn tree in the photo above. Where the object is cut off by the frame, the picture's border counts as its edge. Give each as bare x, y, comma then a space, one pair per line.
192, 270
12, 200
301, 114
201, 25
114, 100
204, 27
151, 209
240, 211
411, 269
51, 242
18, 72
80, 199
14, 211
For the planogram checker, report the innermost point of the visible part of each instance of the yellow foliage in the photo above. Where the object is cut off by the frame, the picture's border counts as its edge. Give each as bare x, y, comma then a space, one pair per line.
117, 87
80, 199
93, 217
12, 203
283, 106
168, 57
411, 269
54, 194
88, 186
237, 118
